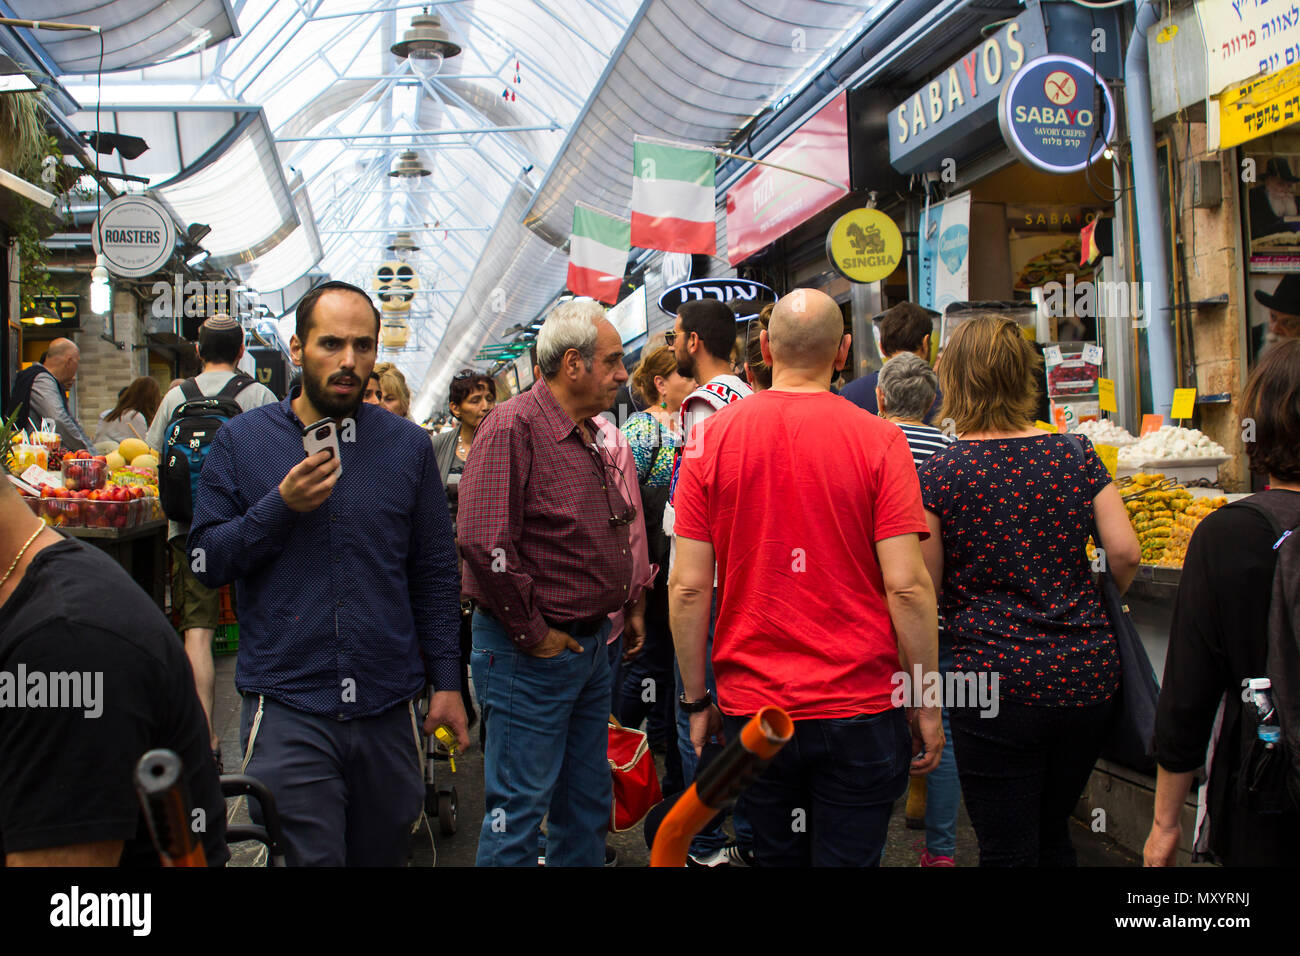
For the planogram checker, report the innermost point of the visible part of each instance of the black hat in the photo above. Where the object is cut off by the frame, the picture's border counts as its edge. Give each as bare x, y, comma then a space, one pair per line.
1277, 166
1285, 298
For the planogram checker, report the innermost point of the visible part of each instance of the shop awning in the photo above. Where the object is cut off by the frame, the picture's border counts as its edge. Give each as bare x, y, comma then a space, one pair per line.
180, 135
135, 33
238, 188
292, 258
690, 73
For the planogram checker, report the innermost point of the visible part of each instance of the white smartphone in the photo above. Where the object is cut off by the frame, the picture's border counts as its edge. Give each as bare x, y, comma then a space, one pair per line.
322, 436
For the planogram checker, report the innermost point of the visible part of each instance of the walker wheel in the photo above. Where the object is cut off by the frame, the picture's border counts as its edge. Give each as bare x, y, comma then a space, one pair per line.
447, 811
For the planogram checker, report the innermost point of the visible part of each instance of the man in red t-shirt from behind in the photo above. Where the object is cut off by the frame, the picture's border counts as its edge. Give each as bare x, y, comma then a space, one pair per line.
811, 509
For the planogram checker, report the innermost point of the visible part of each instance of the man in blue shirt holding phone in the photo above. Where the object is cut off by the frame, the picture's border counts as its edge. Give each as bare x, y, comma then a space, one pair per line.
347, 589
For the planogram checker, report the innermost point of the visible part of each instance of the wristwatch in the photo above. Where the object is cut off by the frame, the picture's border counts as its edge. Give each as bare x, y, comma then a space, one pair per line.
695, 706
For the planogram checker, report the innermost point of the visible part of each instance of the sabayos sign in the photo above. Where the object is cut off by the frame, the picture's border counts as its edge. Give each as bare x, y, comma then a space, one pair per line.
1057, 115
929, 125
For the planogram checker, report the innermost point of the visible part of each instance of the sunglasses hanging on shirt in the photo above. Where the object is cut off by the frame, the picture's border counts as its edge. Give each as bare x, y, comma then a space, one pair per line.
629, 512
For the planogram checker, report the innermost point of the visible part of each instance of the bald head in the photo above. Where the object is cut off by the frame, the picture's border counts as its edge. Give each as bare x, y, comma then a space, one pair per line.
63, 358
806, 330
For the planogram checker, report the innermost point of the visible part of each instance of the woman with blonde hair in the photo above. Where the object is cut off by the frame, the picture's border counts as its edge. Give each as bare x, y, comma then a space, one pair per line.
654, 435
394, 394
1010, 508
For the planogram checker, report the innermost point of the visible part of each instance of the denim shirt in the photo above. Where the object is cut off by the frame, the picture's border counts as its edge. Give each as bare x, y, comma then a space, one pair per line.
347, 610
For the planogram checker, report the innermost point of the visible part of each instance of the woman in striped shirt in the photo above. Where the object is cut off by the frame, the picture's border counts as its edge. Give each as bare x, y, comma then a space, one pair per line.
905, 392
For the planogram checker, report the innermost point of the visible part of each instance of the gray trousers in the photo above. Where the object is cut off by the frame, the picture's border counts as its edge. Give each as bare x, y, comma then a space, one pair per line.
347, 791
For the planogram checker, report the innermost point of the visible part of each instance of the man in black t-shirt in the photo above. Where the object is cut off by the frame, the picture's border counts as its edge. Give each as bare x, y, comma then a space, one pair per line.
92, 676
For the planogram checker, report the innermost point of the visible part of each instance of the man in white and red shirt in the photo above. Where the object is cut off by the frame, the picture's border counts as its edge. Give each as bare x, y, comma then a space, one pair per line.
811, 509
702, 340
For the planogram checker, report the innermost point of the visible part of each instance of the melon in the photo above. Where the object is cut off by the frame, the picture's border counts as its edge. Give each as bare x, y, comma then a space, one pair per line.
133, 448
115, 461
105, 447
147, 461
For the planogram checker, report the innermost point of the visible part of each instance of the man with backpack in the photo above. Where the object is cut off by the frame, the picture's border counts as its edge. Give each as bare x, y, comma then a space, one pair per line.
181, 432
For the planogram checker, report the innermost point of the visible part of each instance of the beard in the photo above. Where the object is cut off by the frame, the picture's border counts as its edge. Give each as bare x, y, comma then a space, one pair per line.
685, 365
326, 402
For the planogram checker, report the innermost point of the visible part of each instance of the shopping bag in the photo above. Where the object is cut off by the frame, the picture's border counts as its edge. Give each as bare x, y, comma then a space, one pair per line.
1131, 738
635, 779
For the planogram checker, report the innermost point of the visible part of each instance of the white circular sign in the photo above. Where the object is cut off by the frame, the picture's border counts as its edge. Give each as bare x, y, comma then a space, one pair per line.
135, 235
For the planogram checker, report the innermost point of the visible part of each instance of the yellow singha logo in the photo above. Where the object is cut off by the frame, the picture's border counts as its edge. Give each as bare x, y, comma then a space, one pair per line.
865, 241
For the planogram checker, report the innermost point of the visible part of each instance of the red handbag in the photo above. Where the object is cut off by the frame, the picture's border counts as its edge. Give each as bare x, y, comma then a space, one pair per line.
635, 779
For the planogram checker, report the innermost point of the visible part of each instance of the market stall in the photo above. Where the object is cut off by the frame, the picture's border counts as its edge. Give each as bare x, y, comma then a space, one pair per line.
1168, 478
109, 500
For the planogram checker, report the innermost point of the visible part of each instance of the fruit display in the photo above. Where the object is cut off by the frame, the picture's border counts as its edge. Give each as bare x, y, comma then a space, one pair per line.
42, 448
130, 476
106, 513
1170, 443
84, 471
133, 448
26, 455
113, 506
147, 462
1103, 431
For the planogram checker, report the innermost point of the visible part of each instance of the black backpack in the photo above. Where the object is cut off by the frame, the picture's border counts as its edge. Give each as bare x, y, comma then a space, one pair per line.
186, 440
1278, 774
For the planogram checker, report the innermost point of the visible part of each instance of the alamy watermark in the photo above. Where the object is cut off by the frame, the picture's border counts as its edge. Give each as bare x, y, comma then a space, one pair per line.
196, 299
75, 909
978, 689
1088, 299
36, 690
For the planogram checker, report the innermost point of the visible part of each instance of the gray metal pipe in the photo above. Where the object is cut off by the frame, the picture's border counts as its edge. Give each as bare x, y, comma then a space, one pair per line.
1150, 221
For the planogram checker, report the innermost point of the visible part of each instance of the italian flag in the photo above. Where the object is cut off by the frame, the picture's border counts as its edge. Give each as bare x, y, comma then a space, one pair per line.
672, 197
598, 251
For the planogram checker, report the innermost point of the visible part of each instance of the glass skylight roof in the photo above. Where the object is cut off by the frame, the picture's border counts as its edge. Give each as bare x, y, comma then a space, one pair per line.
331, 104
342, 108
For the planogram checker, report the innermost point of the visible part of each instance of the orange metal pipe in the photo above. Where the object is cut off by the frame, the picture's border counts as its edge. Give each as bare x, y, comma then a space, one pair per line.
760, 739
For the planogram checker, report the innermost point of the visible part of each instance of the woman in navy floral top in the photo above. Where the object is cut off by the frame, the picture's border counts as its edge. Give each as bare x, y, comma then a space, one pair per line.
1010, 508
654, 435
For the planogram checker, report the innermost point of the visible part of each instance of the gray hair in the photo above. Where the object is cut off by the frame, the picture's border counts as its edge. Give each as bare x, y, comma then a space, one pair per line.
908, 386
571, 325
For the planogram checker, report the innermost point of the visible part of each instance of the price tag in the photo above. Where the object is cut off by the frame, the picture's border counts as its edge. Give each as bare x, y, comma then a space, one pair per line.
1052, 355
1045, 426
1150, 424
1109, 456
1092, 354
1184, 404
34, 475
1106, 395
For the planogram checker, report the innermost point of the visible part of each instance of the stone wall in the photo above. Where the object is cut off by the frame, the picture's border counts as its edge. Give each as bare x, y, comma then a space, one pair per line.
1212, 246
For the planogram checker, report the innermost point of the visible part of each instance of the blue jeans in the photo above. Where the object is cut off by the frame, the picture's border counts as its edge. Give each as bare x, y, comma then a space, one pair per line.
546, 752
615, 651
826, 798
942, 788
